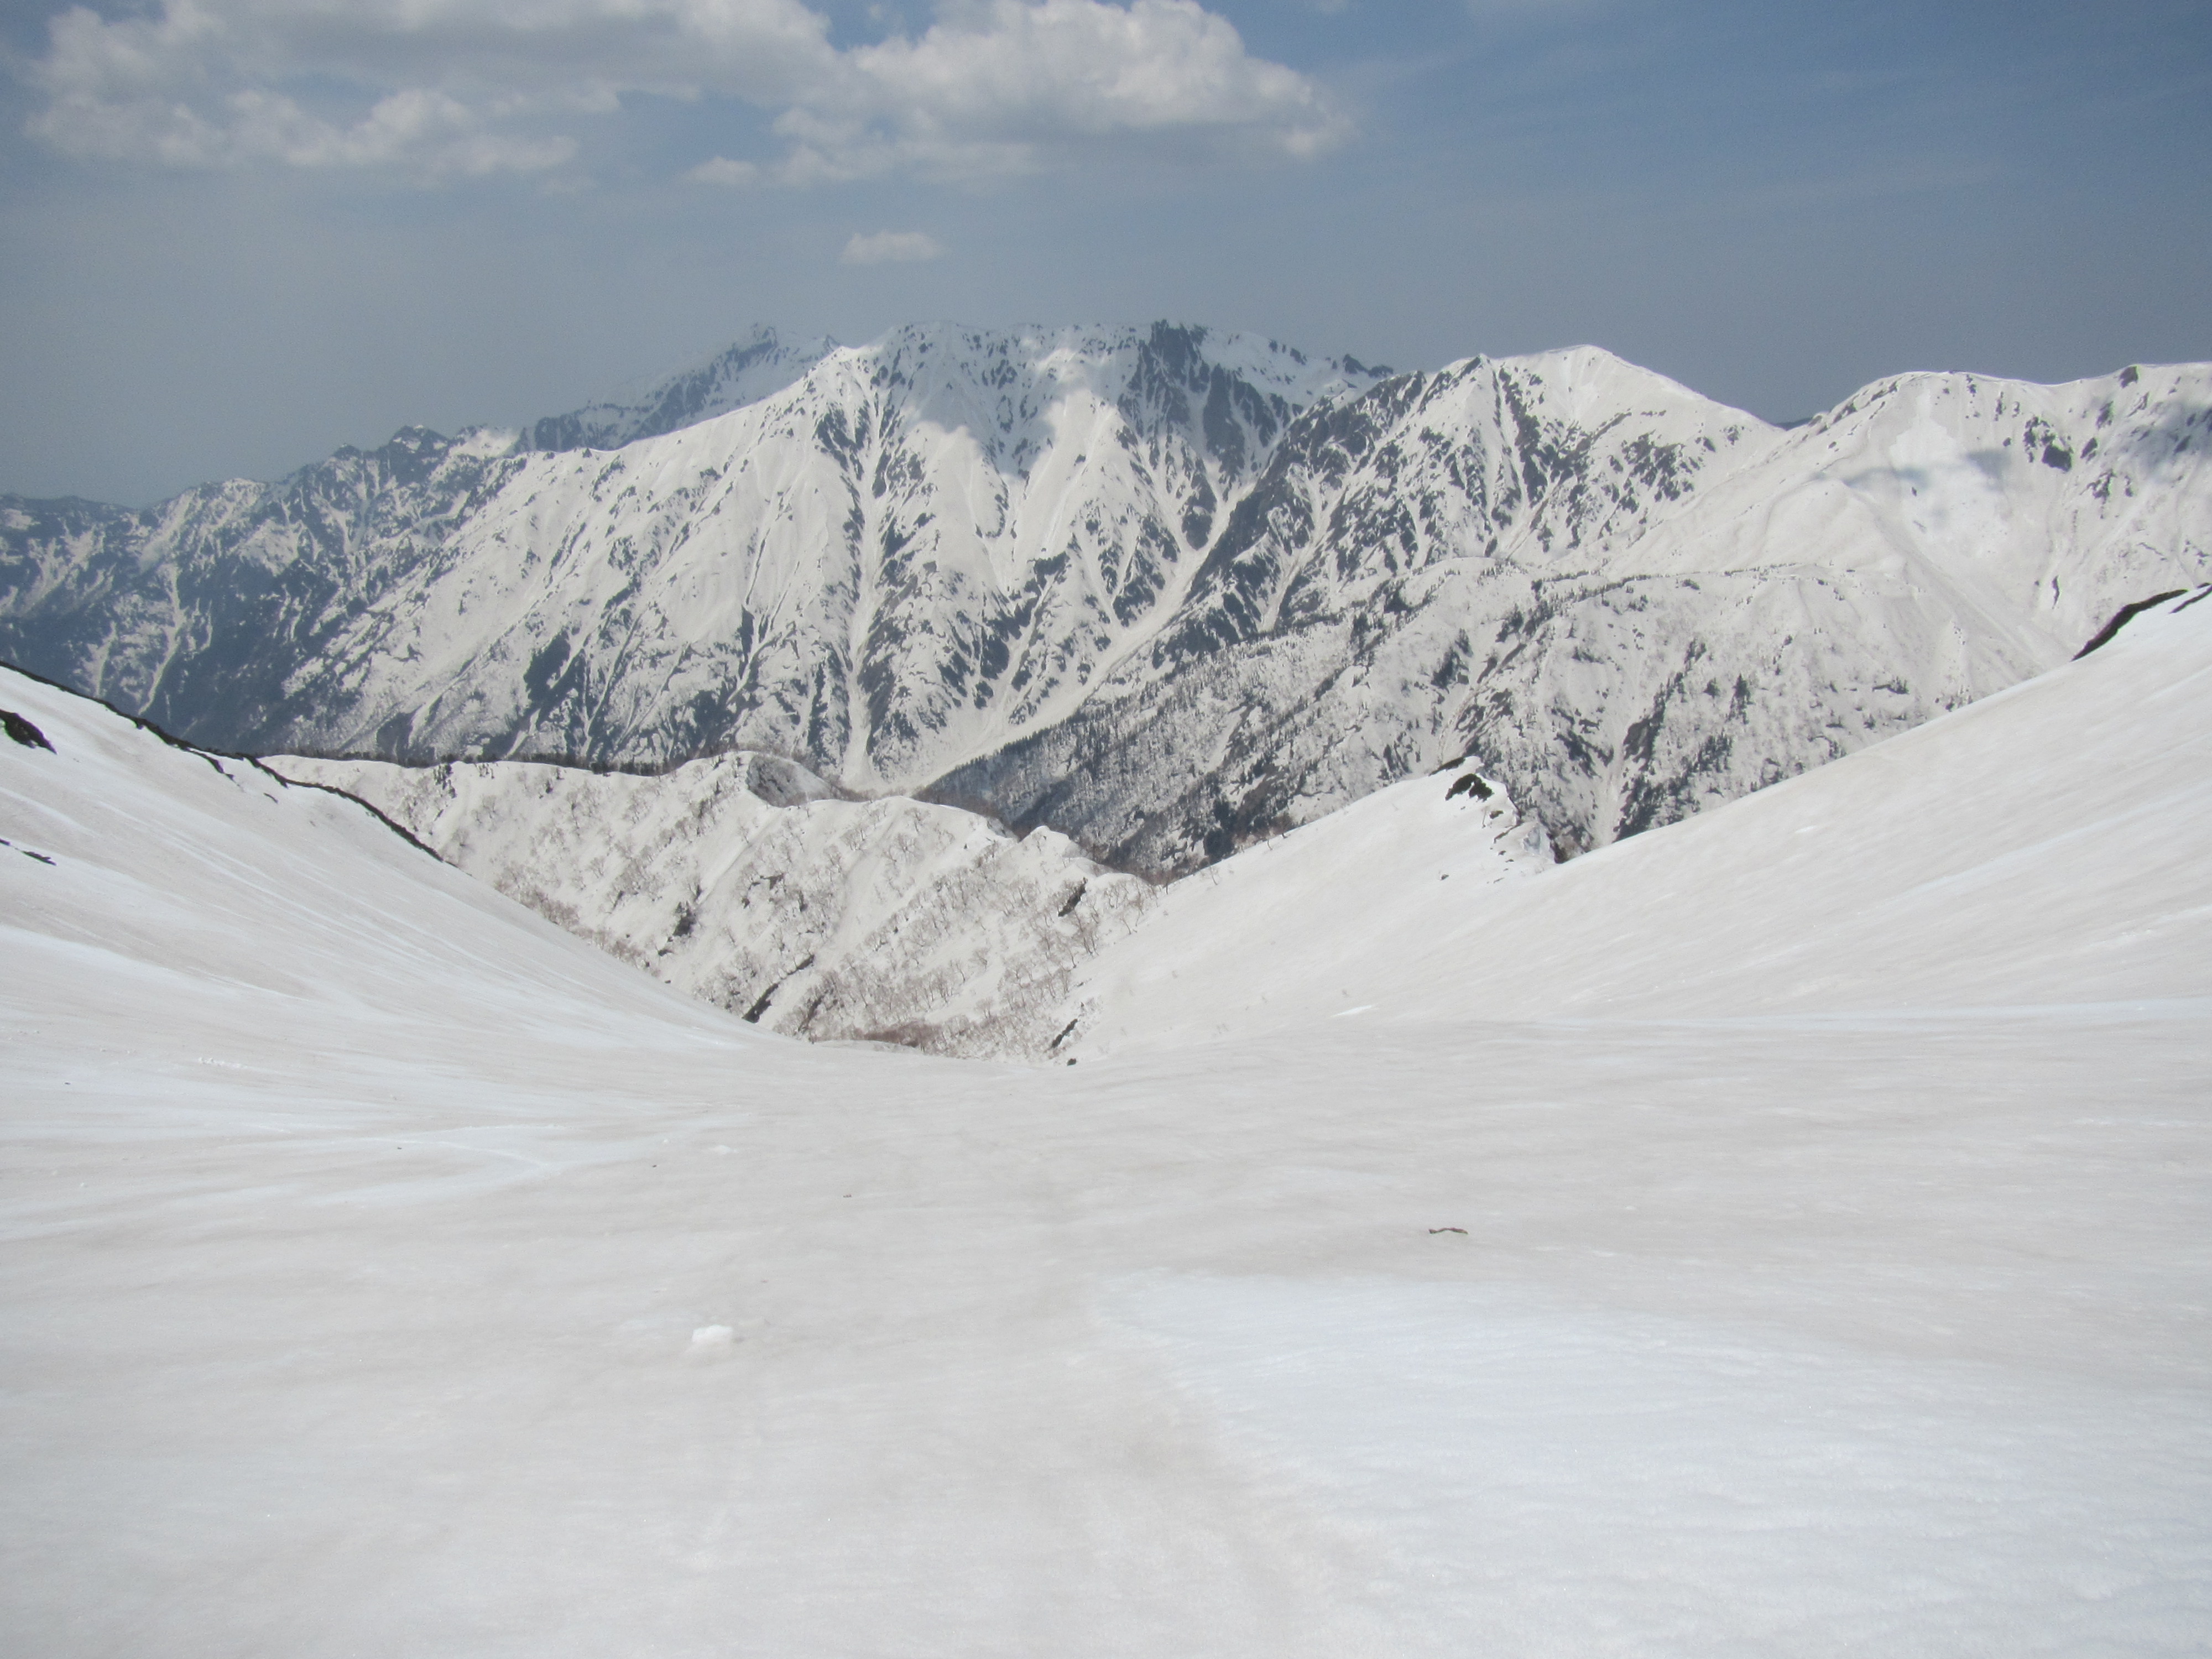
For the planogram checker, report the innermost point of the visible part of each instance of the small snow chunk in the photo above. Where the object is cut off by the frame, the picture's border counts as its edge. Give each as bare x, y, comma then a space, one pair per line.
714, 1336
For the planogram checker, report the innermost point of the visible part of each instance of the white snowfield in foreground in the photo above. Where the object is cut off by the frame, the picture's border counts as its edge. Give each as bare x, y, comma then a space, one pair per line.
384, 1271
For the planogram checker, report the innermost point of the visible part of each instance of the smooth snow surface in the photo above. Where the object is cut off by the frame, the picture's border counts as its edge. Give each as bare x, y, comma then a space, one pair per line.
2047, 846
1267, 936
367, 1245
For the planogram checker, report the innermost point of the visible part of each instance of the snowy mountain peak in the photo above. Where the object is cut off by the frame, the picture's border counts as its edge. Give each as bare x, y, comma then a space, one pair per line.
762, 363
1014, 393
1131, 361
1583, 381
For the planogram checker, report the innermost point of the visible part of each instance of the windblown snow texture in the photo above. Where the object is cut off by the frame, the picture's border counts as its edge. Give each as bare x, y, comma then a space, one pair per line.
1168, 591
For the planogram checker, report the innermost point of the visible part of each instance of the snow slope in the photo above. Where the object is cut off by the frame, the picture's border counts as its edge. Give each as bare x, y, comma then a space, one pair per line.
382, 1270
1279, 919
746, 881
2047, 846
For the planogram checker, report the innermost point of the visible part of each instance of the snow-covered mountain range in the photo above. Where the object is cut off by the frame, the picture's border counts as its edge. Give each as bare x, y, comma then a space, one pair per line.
1628, 602
920, 548
1169, 591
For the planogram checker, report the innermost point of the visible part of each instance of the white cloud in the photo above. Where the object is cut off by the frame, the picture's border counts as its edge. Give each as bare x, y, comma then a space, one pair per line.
1023, 77
890, 247
721, 170
442, 87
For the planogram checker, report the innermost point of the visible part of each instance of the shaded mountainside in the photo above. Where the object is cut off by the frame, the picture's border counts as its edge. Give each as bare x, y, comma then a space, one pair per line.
1167, 591
746, 881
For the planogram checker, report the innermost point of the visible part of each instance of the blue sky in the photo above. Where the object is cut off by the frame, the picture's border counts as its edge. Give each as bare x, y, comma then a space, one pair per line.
237, 233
